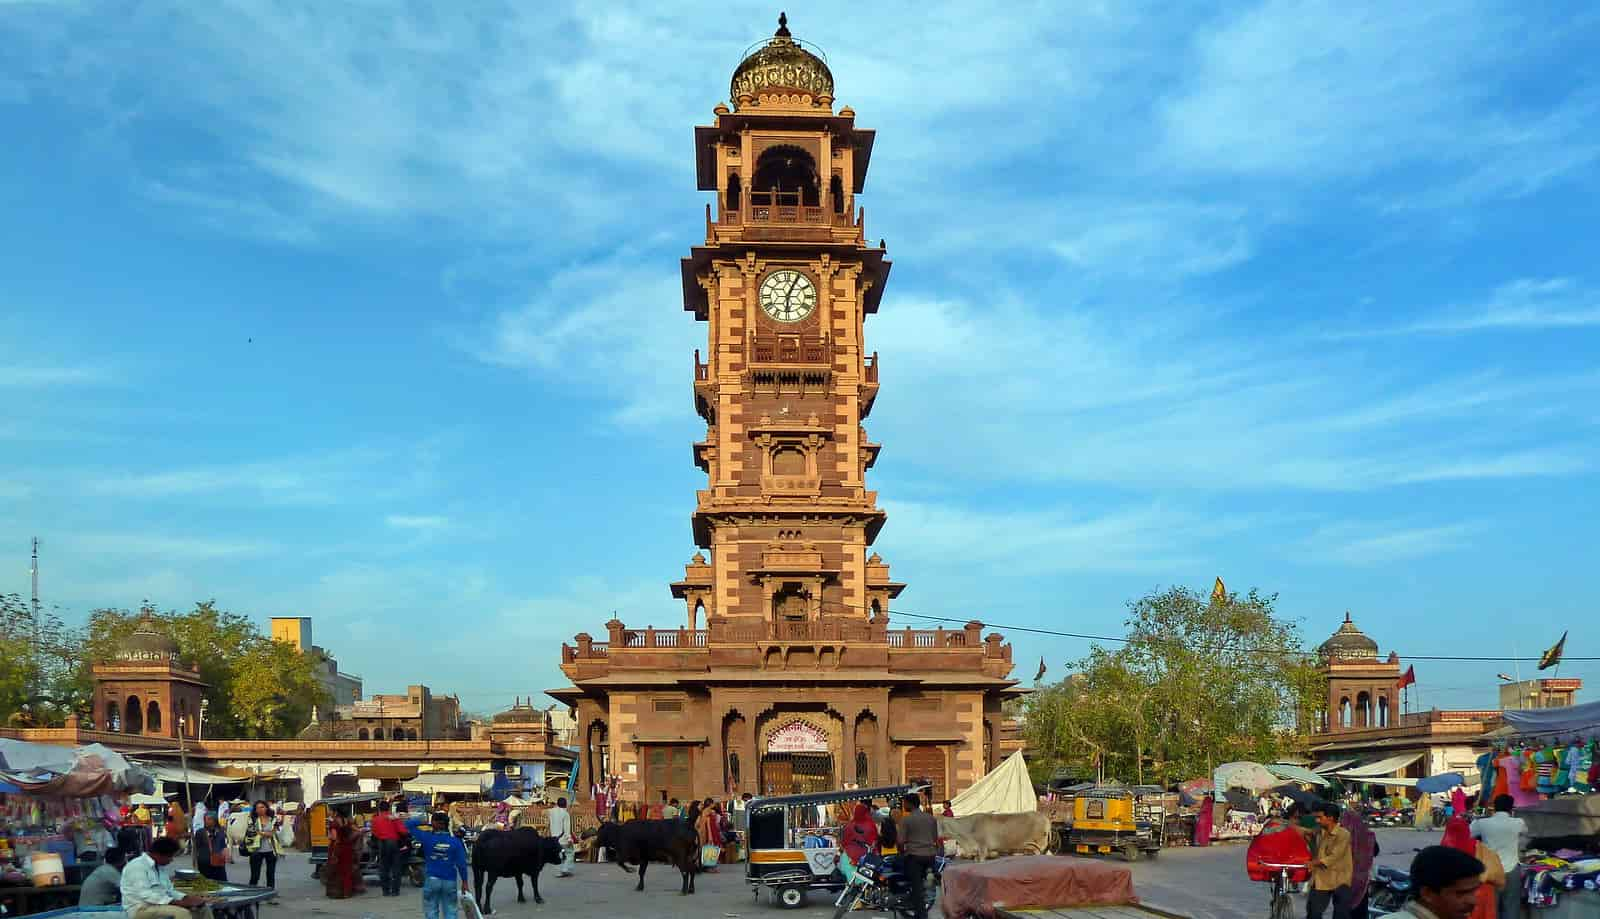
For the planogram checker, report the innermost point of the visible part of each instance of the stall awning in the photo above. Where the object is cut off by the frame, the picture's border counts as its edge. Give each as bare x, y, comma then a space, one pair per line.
164, 773
403, 773
448, 768
1383, 767
1331, 765
1296, 774
457, 783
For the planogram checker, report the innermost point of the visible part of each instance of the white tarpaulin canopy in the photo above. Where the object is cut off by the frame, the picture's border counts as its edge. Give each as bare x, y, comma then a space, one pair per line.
165, 773
1291, 773
1005, 790
451, 783
1380, 769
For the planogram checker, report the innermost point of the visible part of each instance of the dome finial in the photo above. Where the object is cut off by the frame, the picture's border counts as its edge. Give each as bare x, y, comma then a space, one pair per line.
783, 26
1346, 615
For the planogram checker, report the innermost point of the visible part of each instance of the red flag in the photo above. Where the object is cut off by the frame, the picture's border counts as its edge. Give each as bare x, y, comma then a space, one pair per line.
1406, 679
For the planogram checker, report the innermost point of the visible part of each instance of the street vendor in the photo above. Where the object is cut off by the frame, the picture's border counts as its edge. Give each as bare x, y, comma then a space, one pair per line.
147, 891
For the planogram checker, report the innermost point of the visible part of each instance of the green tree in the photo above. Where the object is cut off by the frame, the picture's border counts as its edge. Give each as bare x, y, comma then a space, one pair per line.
259, 687
42, 680
1200, 681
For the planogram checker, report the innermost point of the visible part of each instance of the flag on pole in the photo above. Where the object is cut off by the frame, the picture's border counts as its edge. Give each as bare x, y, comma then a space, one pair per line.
1408, 678
1218, 592
1552, 657
1040, 675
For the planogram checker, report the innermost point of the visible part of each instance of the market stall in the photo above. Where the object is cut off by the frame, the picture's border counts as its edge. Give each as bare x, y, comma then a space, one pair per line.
60, 807
1549, 762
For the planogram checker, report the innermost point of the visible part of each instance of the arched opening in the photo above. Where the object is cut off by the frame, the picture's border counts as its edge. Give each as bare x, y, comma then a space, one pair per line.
411, 734
363, 734
699, 615
133, 721
1363, 710
377, 733
836, 193
1344, 712
988, 746
789, 461
785, 176
113, 717
735, 192
1383, 711
789, 603
863, 776
877, 609
866, 728
733, 770
152, 719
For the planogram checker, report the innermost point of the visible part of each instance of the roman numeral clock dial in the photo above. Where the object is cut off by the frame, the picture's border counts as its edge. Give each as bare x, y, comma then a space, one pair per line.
787, 295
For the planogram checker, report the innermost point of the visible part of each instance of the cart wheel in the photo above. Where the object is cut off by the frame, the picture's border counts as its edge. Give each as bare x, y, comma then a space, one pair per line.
417, 875
791, 897
1282, 907
1131, 853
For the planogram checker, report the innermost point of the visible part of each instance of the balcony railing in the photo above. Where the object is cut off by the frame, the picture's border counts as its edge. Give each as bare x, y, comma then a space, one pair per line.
790, 349
665, 638
750, 631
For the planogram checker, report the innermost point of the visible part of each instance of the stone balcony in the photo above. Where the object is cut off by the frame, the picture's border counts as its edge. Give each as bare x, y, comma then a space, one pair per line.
742, 641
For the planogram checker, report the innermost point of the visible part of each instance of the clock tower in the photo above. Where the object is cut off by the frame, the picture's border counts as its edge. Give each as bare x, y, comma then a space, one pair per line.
785, 281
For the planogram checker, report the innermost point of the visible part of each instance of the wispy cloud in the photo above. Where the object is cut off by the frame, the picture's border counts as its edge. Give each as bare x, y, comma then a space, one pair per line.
1358, 544
41, 376
113, 545
418, 522
1526, 304
329, 477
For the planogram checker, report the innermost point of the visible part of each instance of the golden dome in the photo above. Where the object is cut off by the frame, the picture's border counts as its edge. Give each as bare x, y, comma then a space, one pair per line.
782, 65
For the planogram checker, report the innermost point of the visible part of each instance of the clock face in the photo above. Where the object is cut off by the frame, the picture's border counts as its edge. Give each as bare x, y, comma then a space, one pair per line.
788, 296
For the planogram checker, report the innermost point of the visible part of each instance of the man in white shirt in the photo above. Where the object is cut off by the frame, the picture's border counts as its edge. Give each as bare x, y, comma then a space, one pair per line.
561, 832
147, 891
1506, 835
198, 822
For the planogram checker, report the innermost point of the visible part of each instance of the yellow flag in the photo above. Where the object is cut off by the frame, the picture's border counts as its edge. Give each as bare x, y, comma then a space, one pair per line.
1218, 592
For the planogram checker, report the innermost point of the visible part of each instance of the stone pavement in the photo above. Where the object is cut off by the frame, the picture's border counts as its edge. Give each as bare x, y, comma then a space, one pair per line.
1207, 883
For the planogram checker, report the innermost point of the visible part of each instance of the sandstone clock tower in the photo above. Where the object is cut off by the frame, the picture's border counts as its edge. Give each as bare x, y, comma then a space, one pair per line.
784, 282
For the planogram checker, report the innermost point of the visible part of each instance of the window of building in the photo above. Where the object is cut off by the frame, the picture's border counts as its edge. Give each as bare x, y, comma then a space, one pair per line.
377, 733
789, 461
669, 705
152, 719
363, 734
863, 777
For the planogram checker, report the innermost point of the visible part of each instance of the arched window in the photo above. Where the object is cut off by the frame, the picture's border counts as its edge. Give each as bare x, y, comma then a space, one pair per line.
1383, 711
785, 175
836, 192
152, 720
411, 734
363, 734
134, 719
113, 717
733, 770
735, 192
1344, 712
377, 733
863, 777
1363, 710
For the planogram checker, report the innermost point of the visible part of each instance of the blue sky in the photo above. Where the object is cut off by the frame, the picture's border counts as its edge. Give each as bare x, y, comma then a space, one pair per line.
370, 313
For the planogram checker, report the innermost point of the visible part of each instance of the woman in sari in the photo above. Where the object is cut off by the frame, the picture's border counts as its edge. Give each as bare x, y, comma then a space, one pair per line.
859, 838
341, 875
1202, 821
1458, 835
709, 829
211, 852
1363, 849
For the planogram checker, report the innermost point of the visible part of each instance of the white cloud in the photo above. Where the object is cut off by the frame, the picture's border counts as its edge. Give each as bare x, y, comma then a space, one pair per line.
111, 545
1526, 304
1365, 544
1156, 239
329, 477
419, 522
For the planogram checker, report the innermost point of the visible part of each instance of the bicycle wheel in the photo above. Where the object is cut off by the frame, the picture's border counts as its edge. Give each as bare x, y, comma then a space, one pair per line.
1283, 906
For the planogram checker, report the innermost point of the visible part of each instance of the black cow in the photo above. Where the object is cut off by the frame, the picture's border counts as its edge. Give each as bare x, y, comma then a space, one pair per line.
511, 853
644, 841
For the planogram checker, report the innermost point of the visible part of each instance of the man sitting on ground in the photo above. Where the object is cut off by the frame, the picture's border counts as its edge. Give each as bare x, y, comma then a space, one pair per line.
103, 887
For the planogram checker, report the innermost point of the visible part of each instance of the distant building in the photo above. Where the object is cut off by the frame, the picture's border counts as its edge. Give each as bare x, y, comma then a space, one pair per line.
417, 715
563, 726
1365, 736
1558, 693
340, 688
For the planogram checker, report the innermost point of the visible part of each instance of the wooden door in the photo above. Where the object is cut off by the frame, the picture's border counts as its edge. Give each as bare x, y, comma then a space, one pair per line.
925, 763
668, 769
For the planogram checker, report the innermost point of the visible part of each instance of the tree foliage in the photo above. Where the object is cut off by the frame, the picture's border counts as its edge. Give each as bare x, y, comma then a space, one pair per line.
259, 687
42, 680
1199, 682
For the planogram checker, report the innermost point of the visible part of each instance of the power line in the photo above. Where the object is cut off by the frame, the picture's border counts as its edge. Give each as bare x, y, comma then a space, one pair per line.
1123, 639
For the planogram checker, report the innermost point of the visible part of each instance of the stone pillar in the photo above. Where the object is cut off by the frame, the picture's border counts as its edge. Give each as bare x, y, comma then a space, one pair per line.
847, 769
751, 779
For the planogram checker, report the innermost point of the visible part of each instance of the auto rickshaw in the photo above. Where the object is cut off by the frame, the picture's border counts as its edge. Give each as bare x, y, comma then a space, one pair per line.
359, 806
792, 848
1113, 818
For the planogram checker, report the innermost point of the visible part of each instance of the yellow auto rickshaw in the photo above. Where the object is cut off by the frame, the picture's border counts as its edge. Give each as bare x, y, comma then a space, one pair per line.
359, 807
1114, 818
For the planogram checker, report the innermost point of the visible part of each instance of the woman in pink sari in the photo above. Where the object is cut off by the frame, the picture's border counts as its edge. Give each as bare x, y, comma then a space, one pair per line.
1202, 821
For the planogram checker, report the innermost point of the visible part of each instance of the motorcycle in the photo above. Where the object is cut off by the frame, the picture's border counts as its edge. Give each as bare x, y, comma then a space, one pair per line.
881, 885
1388, 891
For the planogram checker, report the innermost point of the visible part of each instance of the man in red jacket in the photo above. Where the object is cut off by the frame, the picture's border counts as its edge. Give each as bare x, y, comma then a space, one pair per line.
390, 832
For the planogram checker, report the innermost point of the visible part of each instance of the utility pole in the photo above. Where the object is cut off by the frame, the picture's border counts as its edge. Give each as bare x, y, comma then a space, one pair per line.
183, 758
36, 672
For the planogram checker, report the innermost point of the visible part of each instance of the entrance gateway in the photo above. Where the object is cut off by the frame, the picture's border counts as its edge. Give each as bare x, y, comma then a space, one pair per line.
786, 607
